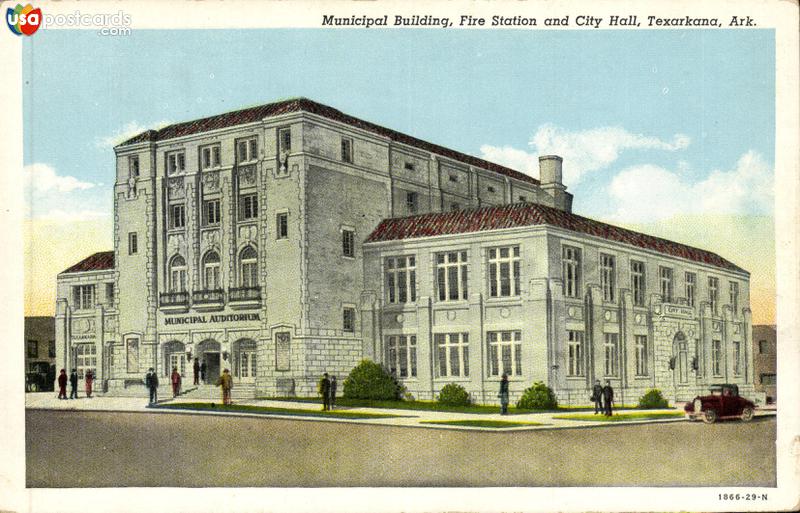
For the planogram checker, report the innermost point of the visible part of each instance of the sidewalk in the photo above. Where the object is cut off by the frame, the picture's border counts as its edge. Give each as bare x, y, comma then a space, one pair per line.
408, 418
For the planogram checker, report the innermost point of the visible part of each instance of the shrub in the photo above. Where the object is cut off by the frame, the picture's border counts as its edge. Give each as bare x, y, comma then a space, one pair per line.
368, 380
538, 397
653, 399
453, 394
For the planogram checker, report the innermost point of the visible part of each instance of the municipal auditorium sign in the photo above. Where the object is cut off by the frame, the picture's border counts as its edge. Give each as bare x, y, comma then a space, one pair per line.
204, 319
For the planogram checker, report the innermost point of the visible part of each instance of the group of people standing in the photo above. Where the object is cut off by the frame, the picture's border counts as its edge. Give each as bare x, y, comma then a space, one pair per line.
603, 397
88, 381
225, 381
327, 388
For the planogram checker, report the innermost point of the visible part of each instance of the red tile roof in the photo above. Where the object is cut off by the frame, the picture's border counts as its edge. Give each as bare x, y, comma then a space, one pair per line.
531, 214
98, 262
253, 114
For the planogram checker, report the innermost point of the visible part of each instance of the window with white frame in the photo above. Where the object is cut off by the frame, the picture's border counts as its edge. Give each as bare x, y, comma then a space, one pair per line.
713, 293
211, 269
176, 163
177, 360
452, 354
86, 359
608, 276
402, 355
248, 265
348, 243
665, 278
574, 353
347, 150
611, 354
177, 273
210, 157
83, 296
177, 216
505, 353
571, 259
285, 140
734, 296
401, 279
349, 319
716, 357
248, 206
246, 150
451, 275
504, 269
691, 282
211, 212
638, 282
640, 342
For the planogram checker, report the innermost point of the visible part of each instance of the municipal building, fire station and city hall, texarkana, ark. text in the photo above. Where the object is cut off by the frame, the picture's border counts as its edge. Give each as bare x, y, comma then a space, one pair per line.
291, 239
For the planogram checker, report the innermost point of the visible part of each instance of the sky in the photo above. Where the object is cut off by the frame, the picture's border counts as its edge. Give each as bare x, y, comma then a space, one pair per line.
667, 132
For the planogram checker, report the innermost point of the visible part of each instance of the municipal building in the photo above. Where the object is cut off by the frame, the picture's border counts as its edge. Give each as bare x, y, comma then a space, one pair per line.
291, 239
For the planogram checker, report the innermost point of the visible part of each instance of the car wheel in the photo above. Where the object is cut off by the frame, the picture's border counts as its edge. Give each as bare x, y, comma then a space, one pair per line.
710, 417
747, 414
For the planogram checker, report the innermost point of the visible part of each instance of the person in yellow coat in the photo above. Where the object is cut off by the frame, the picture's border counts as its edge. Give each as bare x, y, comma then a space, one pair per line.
226, 382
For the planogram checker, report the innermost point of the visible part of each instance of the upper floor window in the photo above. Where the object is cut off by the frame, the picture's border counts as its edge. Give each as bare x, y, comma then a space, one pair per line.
638, 282
83, 296
282, 226
408, 166
133, 243
713, 293
133, 166
451, 275
176, 163
348, 243
571, 259
490, 188
716, 357
734, 297
504, 271
737, 357
608, 276
453, 178
177, 274
691, 280
211, 212
611, 354
248, 206
574, 353
247, 150
665, 277
285, 139
248, 264
211, 268
762, 347
401, 279
177, 215
51, 349
210, 157
33, 349
411, 202
347, 150
523, 199
110, 294
349, 319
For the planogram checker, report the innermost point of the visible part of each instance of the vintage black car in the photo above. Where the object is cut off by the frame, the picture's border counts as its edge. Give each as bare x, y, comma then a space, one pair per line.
41, 379
723, 402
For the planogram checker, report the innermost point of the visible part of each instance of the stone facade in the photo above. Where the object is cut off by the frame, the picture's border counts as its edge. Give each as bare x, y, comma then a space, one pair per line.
765, 354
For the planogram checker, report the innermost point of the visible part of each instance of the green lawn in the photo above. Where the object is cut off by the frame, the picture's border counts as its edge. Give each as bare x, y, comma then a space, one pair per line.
622, 417
482, 423
244, 408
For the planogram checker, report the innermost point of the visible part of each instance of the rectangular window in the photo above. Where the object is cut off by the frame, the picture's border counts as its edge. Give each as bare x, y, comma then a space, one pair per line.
132, 354
608, 276
665, 277
641, 355
490, 188
402, 355
133, 167
452, 354
246, 150
453, 178
737, 357
523, 199
574, 353
411, 202
51, 349
571, 260
176, 163
349, 243
762, 347
505, 353
86, 359
210, 157
282, 226
408, 166
347, 150
611, 354
110, 294
691, 281
283, 343
401, 279
177, 216
248, 206
713, 293
769, 379
504, 271
33, 349
83, 296
285, 139
133, 243
451, 275
349, 319
734, 297
211, 212
716, 357
638, 282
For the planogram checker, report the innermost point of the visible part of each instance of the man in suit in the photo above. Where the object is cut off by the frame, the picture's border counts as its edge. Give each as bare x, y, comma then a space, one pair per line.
325, 390
62, 384
73, 384
597, 397
203, 368
608, 398
151, 380
332, 395
196, 369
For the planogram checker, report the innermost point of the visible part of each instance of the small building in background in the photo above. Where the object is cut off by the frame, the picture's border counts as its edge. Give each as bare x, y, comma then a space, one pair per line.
40, 353
765, 352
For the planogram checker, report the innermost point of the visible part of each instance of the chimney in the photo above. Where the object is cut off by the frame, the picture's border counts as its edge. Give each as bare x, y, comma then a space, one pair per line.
551, 182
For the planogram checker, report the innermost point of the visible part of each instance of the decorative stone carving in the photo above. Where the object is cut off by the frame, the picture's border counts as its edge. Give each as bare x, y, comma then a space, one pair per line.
131, 187
211, 181
451, 315
82, 326
210, 239
638, 318
176, 243
175, 186
247, 176
504, 313
248, 233
399, 318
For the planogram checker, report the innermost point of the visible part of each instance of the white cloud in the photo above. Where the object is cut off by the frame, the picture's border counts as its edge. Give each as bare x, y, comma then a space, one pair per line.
583, 151
648, 192
42, 178
126, 132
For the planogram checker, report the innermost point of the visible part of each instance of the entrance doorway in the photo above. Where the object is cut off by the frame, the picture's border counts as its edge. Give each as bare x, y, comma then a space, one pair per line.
245, 365
212, 366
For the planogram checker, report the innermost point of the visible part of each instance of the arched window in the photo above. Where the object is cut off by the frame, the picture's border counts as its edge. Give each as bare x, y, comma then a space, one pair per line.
211, 279
249, 267
177, 274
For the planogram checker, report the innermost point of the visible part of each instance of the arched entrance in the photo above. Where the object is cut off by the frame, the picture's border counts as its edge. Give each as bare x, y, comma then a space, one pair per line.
244, 360
681, 364
209, 352
174, 356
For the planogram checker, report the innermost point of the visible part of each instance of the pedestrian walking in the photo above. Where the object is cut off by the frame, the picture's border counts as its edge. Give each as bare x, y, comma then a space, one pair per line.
597, 397
226, 382
151, 380
196, 370
62, 384
88, 379
503, 395
332, 394
203, 368
73, 384
175, 378
608, 398
325, 390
